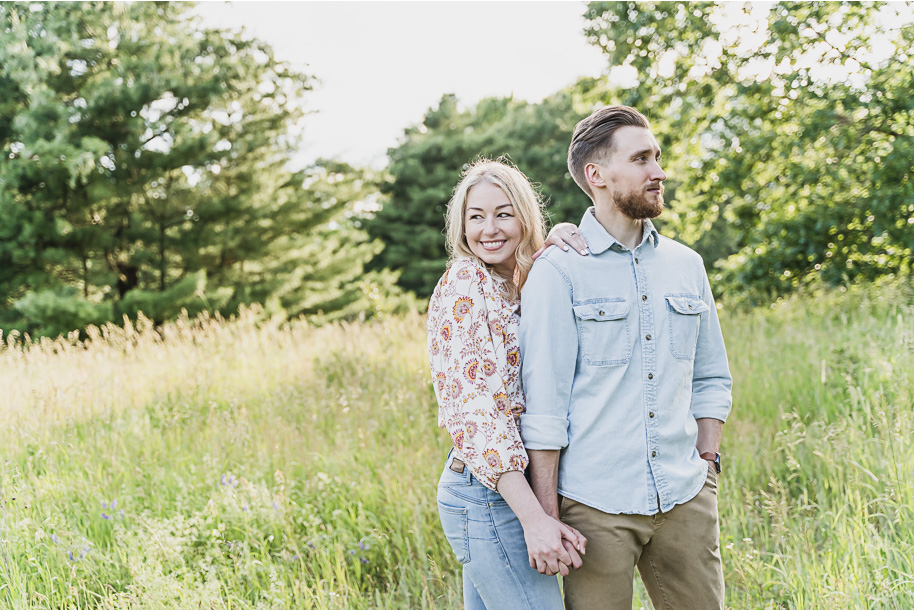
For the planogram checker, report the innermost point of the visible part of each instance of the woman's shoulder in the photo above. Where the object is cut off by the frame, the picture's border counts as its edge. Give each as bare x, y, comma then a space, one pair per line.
466, 271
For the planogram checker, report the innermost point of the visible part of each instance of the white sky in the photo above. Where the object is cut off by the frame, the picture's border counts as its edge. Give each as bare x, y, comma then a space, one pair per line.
382, 65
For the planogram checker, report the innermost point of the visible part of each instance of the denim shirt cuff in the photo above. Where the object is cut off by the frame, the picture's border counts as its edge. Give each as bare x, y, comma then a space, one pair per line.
541, 432
717, 407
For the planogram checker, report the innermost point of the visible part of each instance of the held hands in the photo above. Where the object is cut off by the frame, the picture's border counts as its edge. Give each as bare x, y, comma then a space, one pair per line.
553, 546
564, 235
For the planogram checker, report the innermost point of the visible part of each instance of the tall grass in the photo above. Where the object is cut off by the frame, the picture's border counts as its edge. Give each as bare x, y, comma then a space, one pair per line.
248, 464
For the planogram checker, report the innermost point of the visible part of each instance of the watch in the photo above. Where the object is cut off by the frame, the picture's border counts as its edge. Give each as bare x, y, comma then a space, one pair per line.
712, 456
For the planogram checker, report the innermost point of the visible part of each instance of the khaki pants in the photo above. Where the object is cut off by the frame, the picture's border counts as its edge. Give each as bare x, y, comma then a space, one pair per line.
677, 554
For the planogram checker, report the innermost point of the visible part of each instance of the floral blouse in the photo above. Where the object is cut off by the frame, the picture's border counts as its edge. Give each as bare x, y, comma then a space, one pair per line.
475, 362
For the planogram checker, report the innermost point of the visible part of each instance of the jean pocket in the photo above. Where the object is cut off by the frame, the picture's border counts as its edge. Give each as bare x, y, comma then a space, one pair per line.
454, 524
603, 331
685, 317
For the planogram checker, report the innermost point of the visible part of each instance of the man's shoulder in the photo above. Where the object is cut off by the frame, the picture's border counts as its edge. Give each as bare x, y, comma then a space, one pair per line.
556, 259
669, 247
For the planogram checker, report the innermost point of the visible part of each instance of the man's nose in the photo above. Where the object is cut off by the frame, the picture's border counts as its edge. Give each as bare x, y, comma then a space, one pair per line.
658, 174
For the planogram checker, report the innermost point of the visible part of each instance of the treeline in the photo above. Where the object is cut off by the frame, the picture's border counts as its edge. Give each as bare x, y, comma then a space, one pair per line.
145, 159
788, 141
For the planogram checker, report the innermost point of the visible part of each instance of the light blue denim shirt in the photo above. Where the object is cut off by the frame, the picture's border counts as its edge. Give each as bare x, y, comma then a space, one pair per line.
622, 352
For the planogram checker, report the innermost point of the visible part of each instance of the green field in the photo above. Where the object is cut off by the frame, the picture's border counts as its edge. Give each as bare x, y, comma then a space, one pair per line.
248, 464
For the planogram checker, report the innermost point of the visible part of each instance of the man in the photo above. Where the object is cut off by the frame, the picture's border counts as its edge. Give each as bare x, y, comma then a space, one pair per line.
626, 377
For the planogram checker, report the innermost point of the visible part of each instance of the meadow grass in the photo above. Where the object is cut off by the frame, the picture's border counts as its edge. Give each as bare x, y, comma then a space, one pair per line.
253, 464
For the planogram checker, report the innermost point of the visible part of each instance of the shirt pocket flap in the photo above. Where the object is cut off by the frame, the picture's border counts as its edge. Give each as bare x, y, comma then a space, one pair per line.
602, 310
687, 304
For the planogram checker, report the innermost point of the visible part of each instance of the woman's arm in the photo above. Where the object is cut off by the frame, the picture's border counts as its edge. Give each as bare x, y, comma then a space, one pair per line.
564, 235
546, 537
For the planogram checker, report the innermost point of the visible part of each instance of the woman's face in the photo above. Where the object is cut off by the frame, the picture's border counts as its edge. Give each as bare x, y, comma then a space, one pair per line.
492, 231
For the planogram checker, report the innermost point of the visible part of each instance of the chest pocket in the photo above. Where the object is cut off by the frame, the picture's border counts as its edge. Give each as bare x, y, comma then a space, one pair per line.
685, 317
603, 331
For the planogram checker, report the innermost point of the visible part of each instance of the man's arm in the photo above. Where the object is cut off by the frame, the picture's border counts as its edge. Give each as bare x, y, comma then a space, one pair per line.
710, 433
544, 478
711, 380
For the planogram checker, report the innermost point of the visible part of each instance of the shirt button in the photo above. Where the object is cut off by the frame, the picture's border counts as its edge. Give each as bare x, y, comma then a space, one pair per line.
643, 297
650, 376
653, 453
647, 337
650, 414
636, 260
602, 313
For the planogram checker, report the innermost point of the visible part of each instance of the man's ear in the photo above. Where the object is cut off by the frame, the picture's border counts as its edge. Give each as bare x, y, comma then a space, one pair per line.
594, 175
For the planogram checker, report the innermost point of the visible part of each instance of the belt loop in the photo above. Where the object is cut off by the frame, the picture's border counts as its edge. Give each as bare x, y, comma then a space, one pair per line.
469, 475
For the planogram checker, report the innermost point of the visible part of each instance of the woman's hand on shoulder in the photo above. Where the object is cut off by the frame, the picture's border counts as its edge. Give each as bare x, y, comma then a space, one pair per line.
564, 235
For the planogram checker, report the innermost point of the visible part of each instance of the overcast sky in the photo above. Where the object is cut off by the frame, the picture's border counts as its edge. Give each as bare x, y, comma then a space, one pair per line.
381, 65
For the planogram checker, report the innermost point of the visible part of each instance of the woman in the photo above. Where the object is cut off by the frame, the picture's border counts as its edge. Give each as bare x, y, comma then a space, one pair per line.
491, 518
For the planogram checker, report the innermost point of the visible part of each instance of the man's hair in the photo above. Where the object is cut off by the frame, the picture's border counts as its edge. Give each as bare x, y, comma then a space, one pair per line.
528, 209
592, 140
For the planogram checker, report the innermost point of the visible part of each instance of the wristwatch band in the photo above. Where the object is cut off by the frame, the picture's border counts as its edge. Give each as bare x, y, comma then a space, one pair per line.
715, 457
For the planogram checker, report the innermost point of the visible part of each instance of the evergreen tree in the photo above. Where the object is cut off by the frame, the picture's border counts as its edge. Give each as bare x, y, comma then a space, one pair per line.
147, 169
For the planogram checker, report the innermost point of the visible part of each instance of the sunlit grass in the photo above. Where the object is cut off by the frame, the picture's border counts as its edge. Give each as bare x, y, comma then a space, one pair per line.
255, 464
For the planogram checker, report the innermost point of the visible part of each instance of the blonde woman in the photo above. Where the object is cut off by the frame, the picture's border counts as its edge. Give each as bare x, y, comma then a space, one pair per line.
510, 548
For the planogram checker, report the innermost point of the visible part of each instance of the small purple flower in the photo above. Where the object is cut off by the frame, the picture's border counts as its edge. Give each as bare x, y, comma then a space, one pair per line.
363, 545
70, 554
364, 560
244, 507
351, 552
295, 557
222, 480
105, 516
104, 504
122, 513
54, 539
114, 504
311, 544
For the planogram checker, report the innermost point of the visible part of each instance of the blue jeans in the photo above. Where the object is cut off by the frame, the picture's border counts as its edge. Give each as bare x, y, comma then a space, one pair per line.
489, 541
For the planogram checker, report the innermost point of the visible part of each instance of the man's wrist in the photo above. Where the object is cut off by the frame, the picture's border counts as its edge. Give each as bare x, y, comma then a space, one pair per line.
711, 457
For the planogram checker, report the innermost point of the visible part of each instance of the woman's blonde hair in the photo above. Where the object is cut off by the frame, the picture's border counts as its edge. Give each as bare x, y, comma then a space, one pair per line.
528, 209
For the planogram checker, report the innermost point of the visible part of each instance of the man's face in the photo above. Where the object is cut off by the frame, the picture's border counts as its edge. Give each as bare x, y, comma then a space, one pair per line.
633, 174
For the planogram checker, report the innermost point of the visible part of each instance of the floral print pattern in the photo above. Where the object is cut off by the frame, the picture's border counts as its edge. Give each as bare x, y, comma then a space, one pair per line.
475, 365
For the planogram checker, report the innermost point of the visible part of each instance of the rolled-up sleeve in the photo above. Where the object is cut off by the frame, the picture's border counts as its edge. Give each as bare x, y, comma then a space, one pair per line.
549, 349
711, 381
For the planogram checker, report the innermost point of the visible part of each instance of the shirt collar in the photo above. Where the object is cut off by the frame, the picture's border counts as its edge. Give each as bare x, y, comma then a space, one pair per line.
599, 240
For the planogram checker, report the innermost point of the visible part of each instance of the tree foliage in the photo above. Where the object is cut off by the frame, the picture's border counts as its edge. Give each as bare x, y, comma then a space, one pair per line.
146, 168
791, 136
426, 167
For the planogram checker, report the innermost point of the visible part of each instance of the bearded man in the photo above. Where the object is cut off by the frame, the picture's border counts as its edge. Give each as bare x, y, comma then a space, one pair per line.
627, 384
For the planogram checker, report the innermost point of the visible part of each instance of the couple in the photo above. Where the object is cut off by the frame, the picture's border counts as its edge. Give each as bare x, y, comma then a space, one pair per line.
604, 439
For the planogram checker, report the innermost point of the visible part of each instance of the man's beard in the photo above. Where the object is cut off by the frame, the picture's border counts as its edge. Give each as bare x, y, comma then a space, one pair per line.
640, 205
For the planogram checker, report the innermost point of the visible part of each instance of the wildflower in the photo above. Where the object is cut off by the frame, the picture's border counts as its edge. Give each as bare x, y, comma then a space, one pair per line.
105, 505
114, 504
364, 560
54, 539
70, 554
122, 513
363, 545
244, 507
311, 544
351, 552
105, 516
